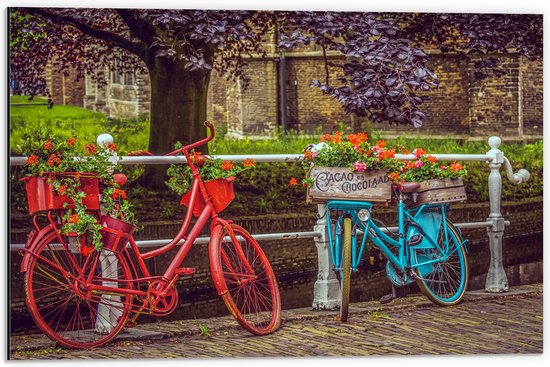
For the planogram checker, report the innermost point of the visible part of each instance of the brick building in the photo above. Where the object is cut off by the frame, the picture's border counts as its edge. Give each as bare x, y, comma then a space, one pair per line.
510, 106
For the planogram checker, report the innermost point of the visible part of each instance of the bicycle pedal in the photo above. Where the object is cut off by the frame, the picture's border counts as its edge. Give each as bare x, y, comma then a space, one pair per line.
185, 271
387, 298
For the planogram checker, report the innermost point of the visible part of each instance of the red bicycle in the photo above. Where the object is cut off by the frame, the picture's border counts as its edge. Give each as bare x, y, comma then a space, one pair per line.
85, 301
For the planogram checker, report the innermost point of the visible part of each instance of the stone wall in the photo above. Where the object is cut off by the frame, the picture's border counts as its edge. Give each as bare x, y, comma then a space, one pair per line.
510, 106
65, 87
531, 92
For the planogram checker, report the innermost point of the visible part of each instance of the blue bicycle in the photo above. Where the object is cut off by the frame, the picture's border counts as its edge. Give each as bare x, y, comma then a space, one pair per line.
427, 247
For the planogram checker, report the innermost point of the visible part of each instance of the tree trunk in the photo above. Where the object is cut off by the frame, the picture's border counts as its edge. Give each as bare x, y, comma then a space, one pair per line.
178, 110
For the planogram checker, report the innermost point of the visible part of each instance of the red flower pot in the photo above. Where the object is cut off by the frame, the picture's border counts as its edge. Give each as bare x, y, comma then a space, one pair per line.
221, 192
41, 195
115, 233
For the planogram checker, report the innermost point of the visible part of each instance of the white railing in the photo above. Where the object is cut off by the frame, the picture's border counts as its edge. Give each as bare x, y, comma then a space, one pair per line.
326, 292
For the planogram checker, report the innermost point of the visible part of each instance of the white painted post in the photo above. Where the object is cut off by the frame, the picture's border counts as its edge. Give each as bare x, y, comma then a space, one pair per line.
107, 315
496, 281
326, 291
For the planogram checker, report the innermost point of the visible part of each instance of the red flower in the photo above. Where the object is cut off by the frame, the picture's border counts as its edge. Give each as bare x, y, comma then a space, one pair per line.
91, 149
455, 166
117, 193
381, 143
406, 151
71, 141
394, 176
293, 182
383, 154
53, 159
195, 156
86, 251
32, 160
419, 152
113, 147
326, 137
357, 139
308, 155
248, 162
337, 137
77, 175
227, 165
431, 158
48, 145
73, 218
62, 189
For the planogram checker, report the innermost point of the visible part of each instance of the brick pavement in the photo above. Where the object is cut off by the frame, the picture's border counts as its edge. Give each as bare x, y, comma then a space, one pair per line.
481, 324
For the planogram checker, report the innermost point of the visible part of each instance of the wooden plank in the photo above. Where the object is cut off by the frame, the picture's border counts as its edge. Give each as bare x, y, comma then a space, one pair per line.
340, 183
440, 191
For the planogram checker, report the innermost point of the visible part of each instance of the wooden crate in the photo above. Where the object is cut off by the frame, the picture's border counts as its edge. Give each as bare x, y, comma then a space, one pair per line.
440, 191
340, 183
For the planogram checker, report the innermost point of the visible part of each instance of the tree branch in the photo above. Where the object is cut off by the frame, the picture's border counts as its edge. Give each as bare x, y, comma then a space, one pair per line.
112, 38
140, 28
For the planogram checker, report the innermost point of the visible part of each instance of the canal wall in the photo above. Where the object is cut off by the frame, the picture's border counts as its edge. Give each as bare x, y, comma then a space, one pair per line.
295, 261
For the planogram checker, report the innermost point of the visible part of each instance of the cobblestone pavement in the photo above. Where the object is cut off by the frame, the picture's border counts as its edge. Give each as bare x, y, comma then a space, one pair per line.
482, 323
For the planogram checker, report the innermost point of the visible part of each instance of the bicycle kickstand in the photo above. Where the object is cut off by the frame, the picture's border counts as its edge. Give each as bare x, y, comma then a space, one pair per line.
389, 297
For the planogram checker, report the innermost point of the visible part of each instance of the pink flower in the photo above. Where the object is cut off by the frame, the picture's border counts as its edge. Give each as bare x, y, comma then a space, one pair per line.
418, 164
314, 154
443, 168
357, 166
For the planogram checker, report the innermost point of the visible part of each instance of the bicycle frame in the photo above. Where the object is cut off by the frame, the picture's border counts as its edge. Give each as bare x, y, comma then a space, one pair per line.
406, 219
170, 275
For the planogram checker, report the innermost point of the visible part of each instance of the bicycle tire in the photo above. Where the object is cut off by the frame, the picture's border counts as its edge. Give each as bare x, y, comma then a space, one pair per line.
453, 272
245, 280
345, 278
59, 303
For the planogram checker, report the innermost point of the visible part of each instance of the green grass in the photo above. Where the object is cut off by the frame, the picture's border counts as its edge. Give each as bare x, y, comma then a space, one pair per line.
25, 100
66, 120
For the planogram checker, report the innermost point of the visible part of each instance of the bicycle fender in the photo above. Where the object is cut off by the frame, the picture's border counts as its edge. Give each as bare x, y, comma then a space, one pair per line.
32, 242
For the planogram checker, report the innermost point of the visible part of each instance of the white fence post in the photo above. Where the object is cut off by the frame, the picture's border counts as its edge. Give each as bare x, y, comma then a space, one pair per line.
110, 309
496, 276
326, 290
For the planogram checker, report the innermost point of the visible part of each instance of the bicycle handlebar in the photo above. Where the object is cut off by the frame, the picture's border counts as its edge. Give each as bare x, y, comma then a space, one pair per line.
197, 143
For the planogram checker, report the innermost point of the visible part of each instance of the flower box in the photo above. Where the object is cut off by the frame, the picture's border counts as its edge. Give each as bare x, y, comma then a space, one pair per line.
440, 191
221, 192
41, 196
340, 183
115, 233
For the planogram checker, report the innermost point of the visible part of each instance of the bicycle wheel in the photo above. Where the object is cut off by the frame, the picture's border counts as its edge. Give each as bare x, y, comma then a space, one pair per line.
446, 281
244, 279
61, 303
345, 277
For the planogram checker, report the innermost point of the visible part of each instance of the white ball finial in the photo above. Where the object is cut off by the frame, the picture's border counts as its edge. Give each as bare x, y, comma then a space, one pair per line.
104, 139
494, 142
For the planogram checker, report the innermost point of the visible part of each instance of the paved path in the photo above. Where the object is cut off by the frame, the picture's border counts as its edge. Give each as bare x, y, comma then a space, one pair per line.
481, 324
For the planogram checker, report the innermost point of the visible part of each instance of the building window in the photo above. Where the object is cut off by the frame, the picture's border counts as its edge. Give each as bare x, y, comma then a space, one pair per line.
129, 77
115, 76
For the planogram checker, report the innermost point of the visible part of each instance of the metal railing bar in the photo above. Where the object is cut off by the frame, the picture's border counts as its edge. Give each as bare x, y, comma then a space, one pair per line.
264, 158
272, 236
